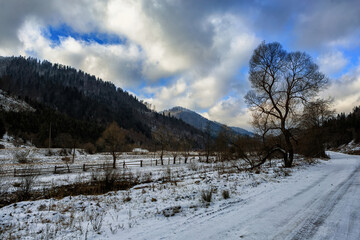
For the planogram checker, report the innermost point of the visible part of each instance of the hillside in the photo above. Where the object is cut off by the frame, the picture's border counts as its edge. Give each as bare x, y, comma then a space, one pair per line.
196, 120
10, 104
76, 95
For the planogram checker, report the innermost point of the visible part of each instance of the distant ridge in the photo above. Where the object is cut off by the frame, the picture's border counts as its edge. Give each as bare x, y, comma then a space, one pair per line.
196, 120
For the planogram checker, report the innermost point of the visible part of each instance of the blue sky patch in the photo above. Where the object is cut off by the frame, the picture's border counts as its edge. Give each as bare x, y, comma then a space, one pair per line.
54, 33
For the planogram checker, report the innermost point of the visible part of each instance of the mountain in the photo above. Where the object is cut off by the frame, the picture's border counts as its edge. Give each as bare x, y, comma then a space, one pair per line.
62, 92
196, 120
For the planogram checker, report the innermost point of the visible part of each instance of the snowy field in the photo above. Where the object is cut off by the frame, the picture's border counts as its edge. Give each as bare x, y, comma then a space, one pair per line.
318, 201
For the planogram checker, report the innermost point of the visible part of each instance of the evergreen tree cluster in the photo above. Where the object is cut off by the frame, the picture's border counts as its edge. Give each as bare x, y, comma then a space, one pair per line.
36, 127
343, 128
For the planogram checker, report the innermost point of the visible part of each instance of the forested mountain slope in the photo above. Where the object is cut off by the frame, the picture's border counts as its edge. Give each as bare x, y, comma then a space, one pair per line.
83, 97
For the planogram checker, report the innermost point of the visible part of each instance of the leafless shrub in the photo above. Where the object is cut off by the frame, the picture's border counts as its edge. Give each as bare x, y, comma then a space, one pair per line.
49, 153
167, 176
25, 187
220, 167
225, 194
21, 156
109, 178
42, 207
193, 166
146, 178
171, 211
65, 152
206, 195
96, 220
127, 197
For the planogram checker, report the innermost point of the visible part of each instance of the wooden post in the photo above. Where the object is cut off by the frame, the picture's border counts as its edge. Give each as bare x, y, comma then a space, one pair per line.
49, 137
84, 169
156, 162
14, 172
141, 163
55, 169
73, 155
124, 164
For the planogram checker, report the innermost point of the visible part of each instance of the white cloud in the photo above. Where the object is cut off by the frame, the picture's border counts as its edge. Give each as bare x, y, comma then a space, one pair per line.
231, 48
232, 111
345, 91
120, 64
332, 62
169, 46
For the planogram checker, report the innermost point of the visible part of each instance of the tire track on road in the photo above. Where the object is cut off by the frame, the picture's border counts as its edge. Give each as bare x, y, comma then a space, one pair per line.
310, 225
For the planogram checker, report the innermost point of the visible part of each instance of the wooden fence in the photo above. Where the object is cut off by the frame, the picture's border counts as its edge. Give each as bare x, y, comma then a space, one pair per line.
88, 167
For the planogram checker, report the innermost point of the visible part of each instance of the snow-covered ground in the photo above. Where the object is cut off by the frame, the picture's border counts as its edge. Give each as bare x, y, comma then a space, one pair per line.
319, 201
9, 103
350, 148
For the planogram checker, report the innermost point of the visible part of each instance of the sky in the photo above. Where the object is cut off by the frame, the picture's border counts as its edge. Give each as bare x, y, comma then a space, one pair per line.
189, 53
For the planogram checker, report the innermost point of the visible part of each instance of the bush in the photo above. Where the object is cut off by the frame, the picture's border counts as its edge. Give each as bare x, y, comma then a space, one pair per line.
127, 197
225, 194
167, 175
109, 178
206, 195
89, 148
21, 156
171, 211
193, 166
24, 191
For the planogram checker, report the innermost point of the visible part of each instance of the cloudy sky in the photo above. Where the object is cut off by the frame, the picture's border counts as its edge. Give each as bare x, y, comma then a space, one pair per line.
190, 53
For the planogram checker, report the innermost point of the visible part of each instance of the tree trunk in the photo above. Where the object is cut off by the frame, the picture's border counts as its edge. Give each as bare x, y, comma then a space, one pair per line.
73, 156
114, 159
289, 156
161, 156
288, 161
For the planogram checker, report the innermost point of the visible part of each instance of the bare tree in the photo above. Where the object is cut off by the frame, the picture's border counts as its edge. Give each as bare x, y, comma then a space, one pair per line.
282, 83
207, 141
113, 138
313, 135
163, 139
186, 145
222, 144
316, 113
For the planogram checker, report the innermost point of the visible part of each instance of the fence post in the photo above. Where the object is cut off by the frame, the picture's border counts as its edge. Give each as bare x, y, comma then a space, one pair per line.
55, 169
14, 172
141, 163
124, 164
84, 169
156, 162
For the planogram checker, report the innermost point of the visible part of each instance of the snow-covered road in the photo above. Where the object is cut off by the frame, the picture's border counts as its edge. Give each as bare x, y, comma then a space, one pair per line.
322, 202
